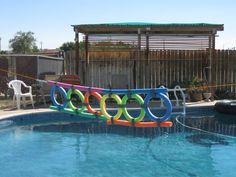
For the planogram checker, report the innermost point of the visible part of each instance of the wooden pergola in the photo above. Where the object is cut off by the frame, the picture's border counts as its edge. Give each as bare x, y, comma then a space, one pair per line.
150, 36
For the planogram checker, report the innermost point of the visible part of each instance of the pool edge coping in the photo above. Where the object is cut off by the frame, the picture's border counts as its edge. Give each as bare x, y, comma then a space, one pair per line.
12, 113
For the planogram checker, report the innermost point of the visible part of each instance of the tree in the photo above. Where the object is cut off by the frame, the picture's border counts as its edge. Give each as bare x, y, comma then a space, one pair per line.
23, 42
3, 52
71, 46
35, 49
68, 46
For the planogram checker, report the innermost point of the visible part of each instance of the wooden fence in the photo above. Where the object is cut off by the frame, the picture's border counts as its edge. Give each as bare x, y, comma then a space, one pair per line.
132, 69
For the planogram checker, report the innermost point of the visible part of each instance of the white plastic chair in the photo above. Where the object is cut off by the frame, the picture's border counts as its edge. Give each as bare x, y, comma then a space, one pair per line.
16, 85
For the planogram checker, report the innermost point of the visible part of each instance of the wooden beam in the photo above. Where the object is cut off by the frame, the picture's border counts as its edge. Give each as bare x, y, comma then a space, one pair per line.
153, 29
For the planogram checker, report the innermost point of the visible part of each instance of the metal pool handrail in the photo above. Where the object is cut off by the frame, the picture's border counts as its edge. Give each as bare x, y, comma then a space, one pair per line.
176, 89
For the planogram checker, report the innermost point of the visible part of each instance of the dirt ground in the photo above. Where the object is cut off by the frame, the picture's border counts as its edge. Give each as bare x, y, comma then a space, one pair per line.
5, 103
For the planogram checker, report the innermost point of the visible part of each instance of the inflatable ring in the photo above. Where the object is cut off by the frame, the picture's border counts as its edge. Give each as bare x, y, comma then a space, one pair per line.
86, 101
103, 106
63, 94
226, 106
167, 103
80, 95
125, 112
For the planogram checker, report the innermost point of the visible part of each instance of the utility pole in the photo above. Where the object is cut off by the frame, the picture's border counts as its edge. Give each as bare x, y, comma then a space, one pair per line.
41, 45
0, 44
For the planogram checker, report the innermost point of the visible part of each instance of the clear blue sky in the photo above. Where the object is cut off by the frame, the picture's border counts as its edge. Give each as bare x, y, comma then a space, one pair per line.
51, 20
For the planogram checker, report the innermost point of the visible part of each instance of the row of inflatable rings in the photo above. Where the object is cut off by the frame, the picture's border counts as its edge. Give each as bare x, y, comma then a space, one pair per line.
102, 100
144, 109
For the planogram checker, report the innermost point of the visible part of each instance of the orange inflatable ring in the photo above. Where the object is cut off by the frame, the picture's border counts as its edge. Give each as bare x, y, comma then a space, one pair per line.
86, 101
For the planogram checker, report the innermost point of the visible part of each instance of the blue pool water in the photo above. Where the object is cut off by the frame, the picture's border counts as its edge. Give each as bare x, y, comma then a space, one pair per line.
62, 148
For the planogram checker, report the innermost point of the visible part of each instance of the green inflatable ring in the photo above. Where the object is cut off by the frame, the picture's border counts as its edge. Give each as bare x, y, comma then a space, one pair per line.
125, 112
80, 95
103, 106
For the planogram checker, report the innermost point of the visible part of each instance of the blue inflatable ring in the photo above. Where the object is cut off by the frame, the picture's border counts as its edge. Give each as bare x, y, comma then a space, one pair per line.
167, 103
63, 94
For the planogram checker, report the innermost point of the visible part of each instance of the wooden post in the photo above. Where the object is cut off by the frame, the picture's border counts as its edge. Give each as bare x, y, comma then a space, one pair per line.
86, 50
210, 61
147, 47
85, 62
212, 66
213, 63
77, 58
135, 61
139, 41
147, 70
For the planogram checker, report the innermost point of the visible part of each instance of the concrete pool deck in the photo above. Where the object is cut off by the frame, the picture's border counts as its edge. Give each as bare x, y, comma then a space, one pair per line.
14, 112
9, 112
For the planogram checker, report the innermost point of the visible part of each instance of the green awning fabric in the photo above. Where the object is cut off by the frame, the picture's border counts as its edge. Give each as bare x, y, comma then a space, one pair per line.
144, 24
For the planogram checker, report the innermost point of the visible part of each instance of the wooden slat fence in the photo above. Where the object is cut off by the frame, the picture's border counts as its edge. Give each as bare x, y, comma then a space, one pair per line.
132, 69
225, 68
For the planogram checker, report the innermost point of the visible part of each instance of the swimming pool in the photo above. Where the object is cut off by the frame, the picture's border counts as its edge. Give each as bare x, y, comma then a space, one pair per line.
57, 144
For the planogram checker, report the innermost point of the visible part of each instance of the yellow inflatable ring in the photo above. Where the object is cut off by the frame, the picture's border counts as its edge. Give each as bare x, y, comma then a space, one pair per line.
103, 106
